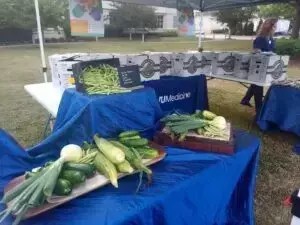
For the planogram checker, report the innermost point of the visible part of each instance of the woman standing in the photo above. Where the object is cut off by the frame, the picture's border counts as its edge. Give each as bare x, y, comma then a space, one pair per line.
264, 42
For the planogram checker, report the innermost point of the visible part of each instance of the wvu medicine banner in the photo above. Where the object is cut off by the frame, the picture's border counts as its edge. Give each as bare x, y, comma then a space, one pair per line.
86, 18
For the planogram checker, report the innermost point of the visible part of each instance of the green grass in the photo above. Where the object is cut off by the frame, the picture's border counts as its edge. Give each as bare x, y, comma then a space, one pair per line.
25, 119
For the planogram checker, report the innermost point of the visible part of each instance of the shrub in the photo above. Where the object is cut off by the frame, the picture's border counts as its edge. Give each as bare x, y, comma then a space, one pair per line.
288, 47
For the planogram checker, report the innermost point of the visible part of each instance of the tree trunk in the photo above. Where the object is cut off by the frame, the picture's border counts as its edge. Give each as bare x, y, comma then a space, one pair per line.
296, 27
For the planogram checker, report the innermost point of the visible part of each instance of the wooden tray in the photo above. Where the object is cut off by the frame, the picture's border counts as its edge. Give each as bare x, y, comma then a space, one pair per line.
91, 184
197, 143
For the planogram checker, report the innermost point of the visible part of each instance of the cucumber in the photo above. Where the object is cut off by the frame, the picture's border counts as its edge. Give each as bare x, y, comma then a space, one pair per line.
73, 176
148, 153
136, 137
63, 187
128, 134
136, 143
87, 169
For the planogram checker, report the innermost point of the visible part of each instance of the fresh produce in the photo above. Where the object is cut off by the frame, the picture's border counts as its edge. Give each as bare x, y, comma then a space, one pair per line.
107, 168
208, 115
111, 152
135, 142
133, 157
71, 153
33, 191
63, 187
127, 134
205, 123
74, 166
87, 169
101, 80
73, 176
125, 167
148, 153
124, 139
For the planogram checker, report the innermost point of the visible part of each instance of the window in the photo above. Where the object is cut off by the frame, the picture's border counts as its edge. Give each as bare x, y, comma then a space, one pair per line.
160, 21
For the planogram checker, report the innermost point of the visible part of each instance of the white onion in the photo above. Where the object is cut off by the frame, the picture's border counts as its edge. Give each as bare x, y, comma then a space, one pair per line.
71, 153
219, 122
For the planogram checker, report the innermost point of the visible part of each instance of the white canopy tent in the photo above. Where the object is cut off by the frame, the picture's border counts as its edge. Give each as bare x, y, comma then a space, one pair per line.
201, 5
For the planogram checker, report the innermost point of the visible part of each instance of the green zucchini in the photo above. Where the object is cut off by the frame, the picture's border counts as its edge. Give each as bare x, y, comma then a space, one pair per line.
87, 169
63, 187
136, 143
128, 134
136, 137
73, 176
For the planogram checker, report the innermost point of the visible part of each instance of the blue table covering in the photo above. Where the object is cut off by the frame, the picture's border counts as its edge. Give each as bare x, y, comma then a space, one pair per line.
188, 188
185, 94
281, 110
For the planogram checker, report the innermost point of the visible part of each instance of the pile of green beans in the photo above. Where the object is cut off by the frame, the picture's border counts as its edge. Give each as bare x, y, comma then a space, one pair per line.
101, 80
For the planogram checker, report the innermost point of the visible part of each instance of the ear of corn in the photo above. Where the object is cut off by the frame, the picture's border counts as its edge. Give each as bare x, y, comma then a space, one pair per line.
105, 167
125, 167
113, 153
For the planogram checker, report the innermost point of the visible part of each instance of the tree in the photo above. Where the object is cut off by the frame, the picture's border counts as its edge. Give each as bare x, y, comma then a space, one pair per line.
289, 11
132, 17
235, 18
21, 14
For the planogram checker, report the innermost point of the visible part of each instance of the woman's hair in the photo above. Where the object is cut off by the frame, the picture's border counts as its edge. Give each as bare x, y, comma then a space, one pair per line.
266, 27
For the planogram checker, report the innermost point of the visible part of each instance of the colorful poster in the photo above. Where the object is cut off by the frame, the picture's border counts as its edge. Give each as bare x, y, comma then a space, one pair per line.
186, 24
86, 18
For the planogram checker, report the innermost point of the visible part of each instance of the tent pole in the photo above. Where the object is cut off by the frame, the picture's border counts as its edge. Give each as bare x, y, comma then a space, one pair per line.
39, 29
200, 44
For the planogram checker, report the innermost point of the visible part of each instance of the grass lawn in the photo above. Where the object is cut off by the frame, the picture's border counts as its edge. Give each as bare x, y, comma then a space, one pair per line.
24, 118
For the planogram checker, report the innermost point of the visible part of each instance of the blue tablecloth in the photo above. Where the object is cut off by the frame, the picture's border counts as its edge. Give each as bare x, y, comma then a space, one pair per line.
281, 110
185, 94
188, 188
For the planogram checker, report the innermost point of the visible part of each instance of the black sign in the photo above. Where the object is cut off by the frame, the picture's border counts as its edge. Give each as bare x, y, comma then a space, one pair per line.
129, 76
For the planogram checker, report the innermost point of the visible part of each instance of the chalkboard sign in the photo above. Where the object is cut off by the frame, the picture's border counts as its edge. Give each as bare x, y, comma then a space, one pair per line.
129, 76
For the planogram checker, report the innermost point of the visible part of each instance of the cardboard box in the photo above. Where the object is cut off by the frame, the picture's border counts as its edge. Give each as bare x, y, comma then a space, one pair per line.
223, 64
149, 65
242, 65
62, 66
166, 63
192, 63
54, 64
266, 68
122, 58
177, 64
207, 62
204, 61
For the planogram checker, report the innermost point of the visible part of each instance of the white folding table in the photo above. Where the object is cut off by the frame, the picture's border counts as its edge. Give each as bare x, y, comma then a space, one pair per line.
48, 96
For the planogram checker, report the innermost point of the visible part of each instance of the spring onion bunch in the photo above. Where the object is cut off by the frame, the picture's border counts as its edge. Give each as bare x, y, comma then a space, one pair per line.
34, 191
101, 80
205, 123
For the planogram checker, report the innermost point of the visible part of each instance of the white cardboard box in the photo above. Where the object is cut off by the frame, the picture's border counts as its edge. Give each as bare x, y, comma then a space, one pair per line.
242, 65
54, 62
177, 64
207, 62
266, 68
62, 67
122, 58
149, 65
165, 63
192, 63
223, 64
